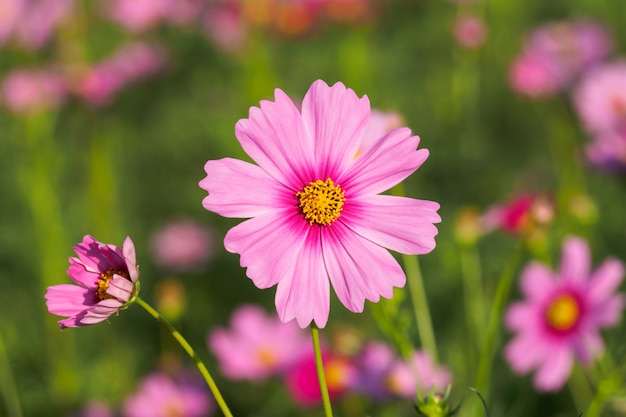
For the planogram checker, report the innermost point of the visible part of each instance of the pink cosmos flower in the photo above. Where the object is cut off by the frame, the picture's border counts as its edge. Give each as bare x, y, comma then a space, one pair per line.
317, 216
303, 383
182, 245
600, 97
10, 11
39, 19
32, 90
257, 346
225, 26
107, 278
607, 150
555, 54
373, 363
131, 63
562, 315
162, 396
419, 376
469, 31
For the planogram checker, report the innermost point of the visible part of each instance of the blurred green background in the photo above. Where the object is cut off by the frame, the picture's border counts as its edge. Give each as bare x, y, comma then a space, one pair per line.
128, 168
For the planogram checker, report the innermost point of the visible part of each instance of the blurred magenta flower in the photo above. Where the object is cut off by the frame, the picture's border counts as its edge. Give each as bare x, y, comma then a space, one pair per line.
257, 346
131, 63
10, 11
600, 97
521, 215
182, 245
107, 278
562, 314
419, 376
469, 31
224, 24
373, 364
160, 395
607, 150
38, 19
31, 90
556, 54
303, 384
317, 216
136, 15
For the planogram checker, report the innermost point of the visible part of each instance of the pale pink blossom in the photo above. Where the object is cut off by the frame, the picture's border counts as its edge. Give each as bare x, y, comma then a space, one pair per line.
161, 395
182, 245
600, 97
107, 279
131, 63
225, 26
39, 19
136, 15
556, 53
316, 214
31, 90
561, 317
417, 376
257, 346
10, 11
607, 150
469, 31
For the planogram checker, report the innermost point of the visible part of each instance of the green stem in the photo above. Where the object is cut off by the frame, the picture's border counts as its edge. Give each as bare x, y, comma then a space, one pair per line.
495, 315
7, 384
420, 304
474, 301
319, 364
192, 354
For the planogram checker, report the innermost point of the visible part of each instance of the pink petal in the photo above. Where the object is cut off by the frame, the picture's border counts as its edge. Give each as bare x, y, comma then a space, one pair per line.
521, 316
575, 260
555, 369
240, 189
120, 288
524, 352
589, 346
276, 139
401, 224
268, 245
81, 275
337, 120
605, 280
609, 312
384, 165
359, 269
100, 312
305, 294
87, 254
128, 251
536, 281
68, 299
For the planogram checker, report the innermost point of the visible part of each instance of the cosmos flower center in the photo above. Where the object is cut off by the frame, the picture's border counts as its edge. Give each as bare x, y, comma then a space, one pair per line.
563, 312
321, 202
103, 282
266, 357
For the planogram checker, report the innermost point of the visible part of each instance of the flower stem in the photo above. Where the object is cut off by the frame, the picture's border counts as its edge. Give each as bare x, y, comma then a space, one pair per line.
420, 305
7, 384
320, 370
495, 315
192, 354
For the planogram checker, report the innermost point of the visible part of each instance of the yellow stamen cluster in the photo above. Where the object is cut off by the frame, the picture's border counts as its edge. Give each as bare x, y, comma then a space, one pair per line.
321, 202
563, 313
103, 282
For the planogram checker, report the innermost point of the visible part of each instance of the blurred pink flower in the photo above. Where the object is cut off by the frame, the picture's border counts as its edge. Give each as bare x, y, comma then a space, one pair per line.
600, 97
136, 15
316, 214
10, 11
381, 123
224, 25
38, 20
373, 364
303, 383
512, 216
562, 314
107, 281
131, 63
607, 150
420, 376
556, 53
182, 245
31, 90
257, 346
469, 31
160, 395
